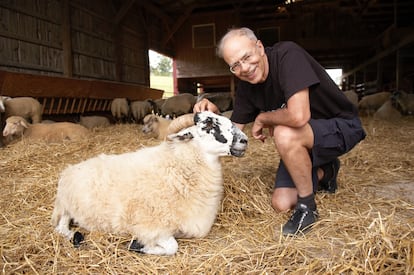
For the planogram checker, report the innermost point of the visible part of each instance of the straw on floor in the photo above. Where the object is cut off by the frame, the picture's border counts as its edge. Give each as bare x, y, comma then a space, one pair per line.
367, 227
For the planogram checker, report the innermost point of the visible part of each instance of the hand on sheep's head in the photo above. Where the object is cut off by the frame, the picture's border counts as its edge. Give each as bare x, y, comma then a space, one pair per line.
217, 134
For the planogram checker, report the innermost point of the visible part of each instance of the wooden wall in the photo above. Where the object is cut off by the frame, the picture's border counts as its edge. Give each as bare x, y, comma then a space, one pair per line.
76, 38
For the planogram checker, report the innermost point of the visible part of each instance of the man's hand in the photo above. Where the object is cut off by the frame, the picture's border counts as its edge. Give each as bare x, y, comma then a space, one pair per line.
257, 130
205, 105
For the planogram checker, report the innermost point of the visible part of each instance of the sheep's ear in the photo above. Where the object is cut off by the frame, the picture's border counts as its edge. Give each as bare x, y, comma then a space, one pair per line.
24, 123
182, 136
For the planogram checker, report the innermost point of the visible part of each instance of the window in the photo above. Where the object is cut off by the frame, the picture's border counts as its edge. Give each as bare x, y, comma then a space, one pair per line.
204, 36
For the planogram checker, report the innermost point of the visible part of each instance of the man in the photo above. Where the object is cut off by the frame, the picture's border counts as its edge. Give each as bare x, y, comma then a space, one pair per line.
310, 120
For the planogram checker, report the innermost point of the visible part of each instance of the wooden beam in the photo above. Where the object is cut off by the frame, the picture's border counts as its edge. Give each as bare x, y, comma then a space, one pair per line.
157, 12
67, 40
405, 41
123, 11
178, 24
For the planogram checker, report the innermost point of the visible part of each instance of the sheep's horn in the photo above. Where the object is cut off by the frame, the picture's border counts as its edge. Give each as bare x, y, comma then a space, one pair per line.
180, 123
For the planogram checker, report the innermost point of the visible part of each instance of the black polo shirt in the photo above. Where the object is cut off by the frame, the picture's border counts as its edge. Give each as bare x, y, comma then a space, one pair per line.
291, 69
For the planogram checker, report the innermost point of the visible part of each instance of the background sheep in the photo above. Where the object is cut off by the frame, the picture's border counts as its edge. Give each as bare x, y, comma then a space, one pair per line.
120, 109
371, 103
352, 96
404, 102
178, 105
26, 107
156, 126
157, 105
94, 121
159, 127
17, 127
139, 109
223, 101
156, 193
387, 112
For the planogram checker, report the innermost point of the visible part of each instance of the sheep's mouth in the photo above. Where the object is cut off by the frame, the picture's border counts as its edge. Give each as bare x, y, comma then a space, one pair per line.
237, 152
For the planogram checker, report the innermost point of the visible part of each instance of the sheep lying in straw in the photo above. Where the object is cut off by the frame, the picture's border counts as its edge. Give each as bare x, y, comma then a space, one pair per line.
159, 127
155, 194
156, 126
17, 127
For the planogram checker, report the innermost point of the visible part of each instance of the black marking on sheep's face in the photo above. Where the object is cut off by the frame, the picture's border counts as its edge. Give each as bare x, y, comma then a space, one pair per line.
212, 125
185, 136
135, 246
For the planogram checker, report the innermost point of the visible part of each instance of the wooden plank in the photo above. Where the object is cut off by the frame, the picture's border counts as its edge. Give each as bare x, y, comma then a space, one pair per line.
66, 40
20, 84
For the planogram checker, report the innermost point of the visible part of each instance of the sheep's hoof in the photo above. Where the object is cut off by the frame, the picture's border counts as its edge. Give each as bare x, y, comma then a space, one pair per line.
77, 239
135, 246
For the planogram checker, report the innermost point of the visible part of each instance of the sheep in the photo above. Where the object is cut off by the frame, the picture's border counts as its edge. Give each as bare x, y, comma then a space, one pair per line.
224, 100
2, 108
156, 194
94, 121
27, 107
156, 126
371, 103
17, 127
403, 102
159, 127
387, 112
352, 96
139, 109
120, 109
157, 105
178, 105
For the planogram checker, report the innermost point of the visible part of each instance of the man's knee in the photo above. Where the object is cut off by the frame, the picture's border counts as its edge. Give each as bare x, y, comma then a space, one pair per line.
284, 199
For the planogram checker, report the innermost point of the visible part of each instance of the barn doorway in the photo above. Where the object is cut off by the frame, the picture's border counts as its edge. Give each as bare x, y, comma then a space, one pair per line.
161, 73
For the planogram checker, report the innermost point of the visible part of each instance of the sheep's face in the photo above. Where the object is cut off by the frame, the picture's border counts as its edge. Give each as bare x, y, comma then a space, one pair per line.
150, 124
14, 126
219, 135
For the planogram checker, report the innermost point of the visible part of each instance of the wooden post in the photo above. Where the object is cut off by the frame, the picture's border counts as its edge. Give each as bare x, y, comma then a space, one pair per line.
66, 40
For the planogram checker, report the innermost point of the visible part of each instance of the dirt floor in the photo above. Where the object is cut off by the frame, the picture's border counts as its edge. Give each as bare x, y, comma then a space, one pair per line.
367, 227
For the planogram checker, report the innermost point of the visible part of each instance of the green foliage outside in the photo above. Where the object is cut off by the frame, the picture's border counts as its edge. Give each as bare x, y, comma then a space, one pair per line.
163, 67
163, 83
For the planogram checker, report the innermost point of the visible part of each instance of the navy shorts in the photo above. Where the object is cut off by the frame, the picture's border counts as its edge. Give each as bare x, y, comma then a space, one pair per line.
332, 138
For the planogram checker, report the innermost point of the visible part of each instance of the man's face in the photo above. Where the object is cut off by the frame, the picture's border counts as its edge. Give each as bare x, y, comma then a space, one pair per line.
246, 59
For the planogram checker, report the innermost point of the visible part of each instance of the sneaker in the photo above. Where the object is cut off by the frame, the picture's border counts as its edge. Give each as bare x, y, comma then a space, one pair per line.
328, 182
301, 220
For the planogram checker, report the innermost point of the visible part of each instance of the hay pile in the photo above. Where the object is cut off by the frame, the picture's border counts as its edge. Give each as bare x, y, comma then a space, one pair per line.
366, 227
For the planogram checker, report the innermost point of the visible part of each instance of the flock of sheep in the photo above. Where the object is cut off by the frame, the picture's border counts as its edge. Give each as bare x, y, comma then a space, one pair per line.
22, 116
183, 189
383, 105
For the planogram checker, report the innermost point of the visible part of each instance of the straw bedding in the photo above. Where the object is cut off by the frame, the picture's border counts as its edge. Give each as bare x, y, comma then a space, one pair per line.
366, 227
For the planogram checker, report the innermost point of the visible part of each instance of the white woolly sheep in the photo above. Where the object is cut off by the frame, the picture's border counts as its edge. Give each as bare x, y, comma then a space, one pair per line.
371, 103
387, 112
17, 127
139, 109
178, 105
404, 102
155, 194
120, 109
27, 107
91, 122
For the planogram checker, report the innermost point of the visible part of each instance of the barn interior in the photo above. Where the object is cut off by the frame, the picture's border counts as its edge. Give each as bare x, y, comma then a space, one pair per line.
370, 40
76, 56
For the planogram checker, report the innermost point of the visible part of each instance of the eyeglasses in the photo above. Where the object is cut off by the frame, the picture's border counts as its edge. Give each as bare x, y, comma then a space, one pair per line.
247, 58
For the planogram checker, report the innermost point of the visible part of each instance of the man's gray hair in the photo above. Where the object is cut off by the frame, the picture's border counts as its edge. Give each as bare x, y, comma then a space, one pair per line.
232, 33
